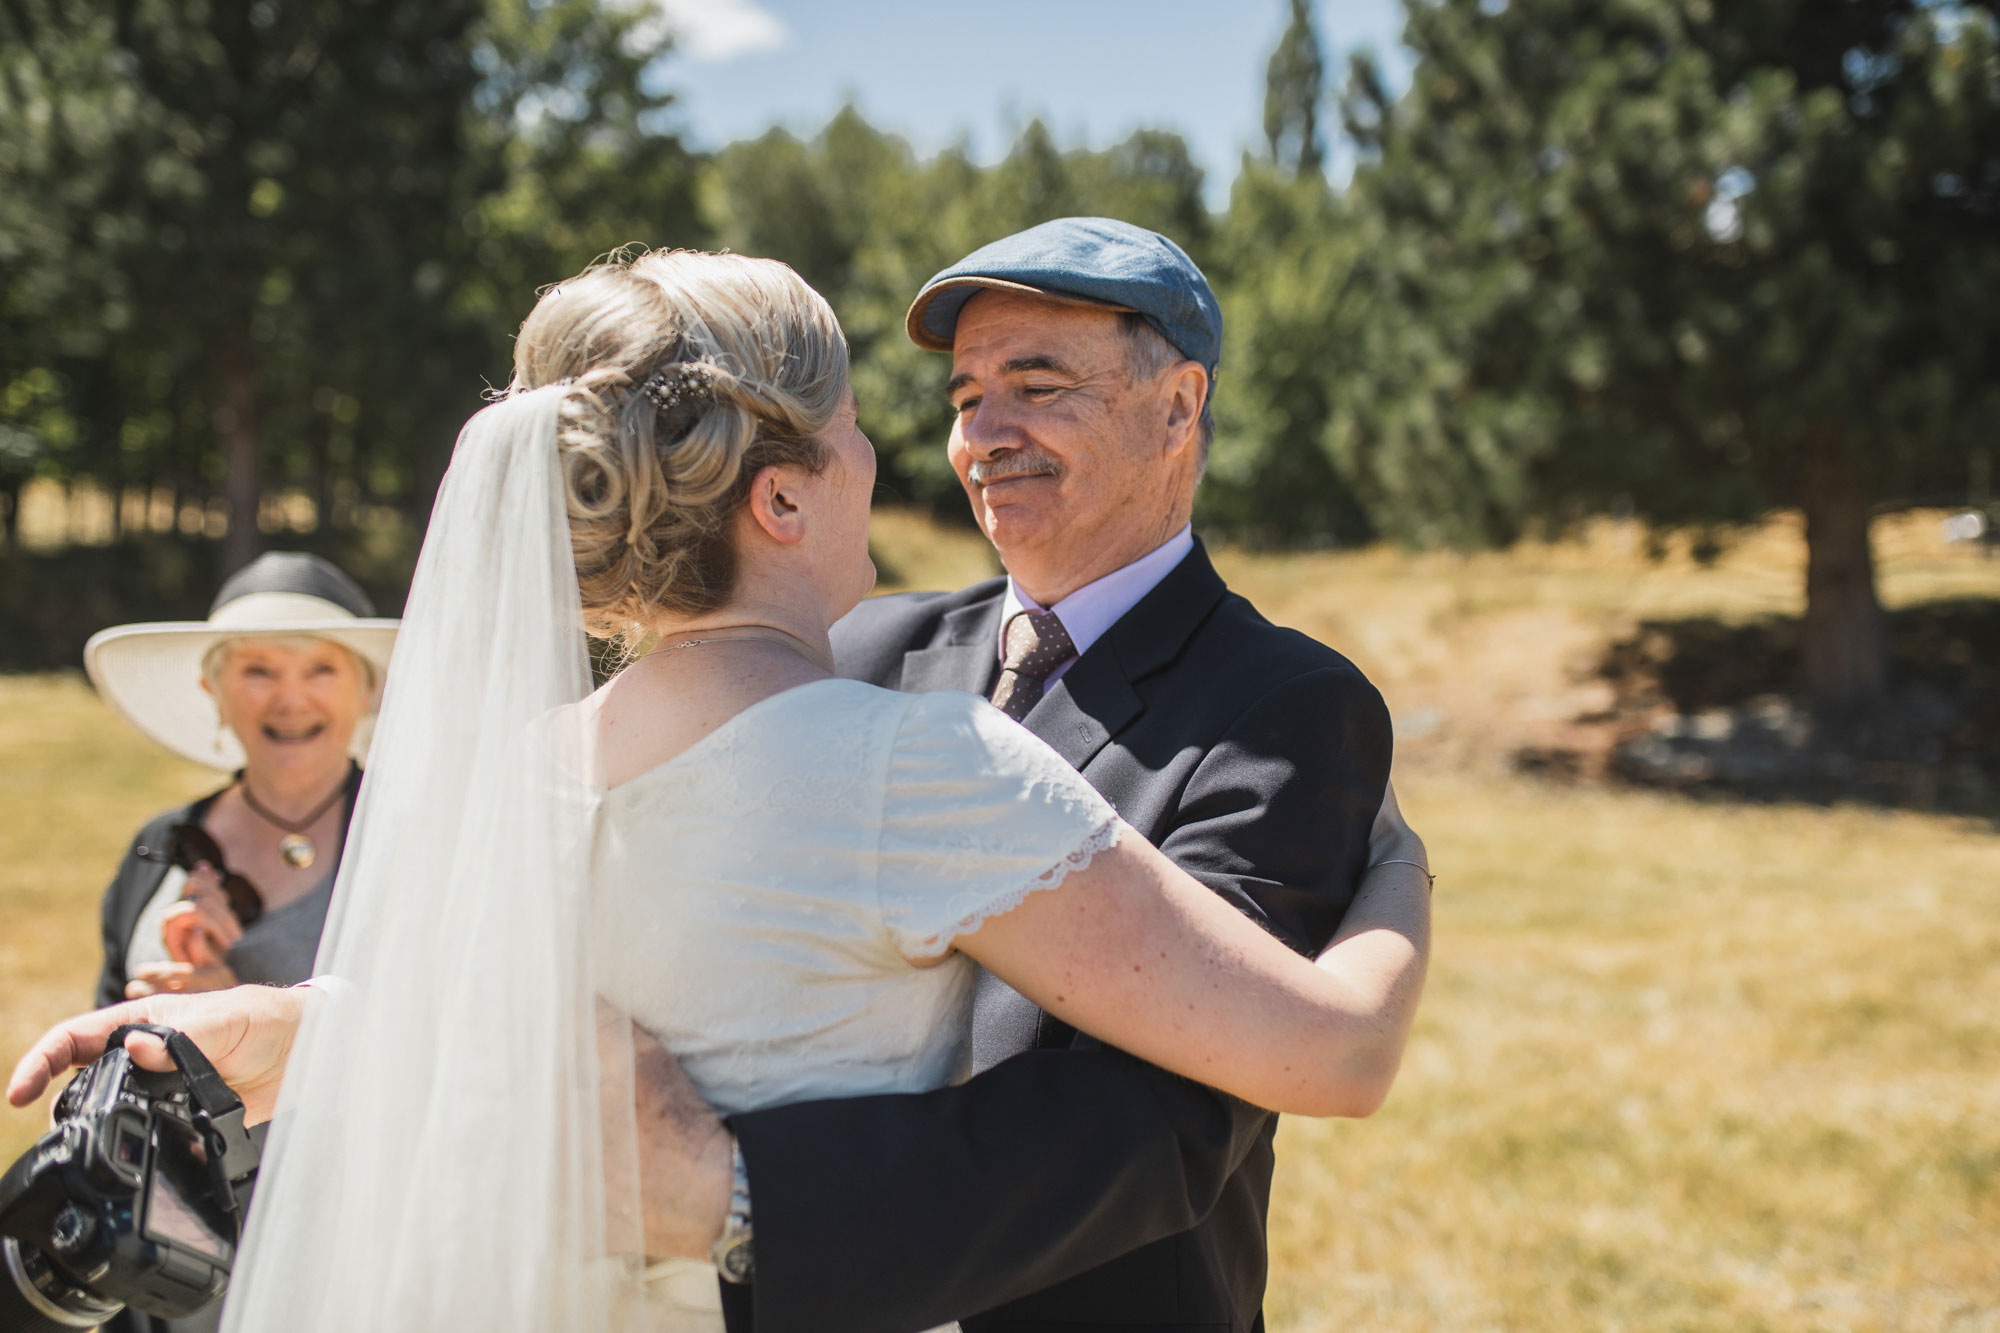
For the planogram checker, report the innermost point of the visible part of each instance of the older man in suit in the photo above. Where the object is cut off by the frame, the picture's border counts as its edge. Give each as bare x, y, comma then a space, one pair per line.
1068, 1186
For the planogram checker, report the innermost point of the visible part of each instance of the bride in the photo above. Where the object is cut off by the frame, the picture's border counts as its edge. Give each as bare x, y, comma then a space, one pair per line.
785, 877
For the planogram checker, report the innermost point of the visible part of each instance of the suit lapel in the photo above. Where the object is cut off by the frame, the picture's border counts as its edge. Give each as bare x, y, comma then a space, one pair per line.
1095, 699
1152, 634
1085, 709
964, 654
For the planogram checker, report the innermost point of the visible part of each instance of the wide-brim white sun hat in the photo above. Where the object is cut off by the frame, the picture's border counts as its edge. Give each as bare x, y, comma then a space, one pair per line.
151, 673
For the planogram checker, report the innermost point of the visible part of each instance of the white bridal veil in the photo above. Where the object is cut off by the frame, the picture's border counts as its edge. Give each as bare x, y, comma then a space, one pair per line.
439, 1159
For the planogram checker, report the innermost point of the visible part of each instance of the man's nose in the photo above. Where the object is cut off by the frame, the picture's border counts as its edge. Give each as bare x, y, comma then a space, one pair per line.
989, 431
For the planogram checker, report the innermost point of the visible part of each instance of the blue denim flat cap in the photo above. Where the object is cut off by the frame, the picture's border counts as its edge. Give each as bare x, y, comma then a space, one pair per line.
1088, 261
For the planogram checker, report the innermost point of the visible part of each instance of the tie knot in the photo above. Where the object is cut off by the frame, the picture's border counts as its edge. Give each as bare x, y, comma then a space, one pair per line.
1035, 643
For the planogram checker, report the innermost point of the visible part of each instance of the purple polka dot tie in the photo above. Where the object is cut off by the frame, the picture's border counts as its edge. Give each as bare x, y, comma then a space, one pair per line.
1036, 644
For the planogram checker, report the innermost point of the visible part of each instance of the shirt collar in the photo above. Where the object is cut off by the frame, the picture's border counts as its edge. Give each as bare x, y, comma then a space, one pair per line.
1089, 612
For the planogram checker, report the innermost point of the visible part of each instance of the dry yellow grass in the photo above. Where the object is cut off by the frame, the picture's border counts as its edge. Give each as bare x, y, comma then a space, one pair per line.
75, 784
1489, 653
1682, 1065
915, 553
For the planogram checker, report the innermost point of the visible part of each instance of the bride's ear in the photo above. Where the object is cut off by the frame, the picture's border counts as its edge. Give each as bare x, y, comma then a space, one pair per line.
774, 504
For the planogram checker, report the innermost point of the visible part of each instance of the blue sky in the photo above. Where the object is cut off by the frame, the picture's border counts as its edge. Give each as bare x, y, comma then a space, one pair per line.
935, 71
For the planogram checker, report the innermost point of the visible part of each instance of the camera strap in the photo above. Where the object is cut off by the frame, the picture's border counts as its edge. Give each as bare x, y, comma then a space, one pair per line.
217, 1111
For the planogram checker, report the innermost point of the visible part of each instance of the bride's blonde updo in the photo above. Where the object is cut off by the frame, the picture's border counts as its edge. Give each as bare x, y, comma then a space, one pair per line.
691, 373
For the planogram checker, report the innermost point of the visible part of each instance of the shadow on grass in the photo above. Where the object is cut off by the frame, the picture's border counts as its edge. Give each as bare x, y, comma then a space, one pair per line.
1709, 707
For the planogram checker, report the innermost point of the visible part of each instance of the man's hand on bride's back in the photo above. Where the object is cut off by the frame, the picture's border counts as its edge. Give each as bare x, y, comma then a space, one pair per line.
246, 1033
681, 1157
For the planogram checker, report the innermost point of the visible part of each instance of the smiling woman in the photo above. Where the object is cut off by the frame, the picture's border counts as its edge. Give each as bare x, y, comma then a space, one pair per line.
279, 685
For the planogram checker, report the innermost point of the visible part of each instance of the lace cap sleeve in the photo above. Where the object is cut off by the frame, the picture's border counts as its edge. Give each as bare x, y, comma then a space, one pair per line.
977, 813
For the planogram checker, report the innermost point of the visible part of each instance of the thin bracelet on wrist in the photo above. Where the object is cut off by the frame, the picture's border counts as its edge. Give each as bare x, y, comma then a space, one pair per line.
1399, 861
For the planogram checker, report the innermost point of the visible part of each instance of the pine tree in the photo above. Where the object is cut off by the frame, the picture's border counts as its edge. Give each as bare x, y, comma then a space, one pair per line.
1700, 259
1294, 83
1282, 263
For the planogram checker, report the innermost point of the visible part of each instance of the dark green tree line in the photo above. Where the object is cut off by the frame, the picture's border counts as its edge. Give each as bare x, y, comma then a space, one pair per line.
254, 245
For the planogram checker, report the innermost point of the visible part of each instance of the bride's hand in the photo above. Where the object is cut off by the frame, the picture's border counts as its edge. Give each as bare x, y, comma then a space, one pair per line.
245, 1032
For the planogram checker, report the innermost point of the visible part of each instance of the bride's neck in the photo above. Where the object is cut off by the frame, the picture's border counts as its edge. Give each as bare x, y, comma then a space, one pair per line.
750, 649
760, 611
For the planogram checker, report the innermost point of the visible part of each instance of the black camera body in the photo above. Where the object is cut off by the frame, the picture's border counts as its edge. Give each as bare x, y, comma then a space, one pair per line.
135, 1197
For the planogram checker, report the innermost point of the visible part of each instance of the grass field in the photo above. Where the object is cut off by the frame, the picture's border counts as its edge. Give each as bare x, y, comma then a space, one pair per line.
1682, 1064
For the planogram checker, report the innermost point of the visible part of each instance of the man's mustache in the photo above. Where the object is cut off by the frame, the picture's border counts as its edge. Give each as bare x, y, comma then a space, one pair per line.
986, 471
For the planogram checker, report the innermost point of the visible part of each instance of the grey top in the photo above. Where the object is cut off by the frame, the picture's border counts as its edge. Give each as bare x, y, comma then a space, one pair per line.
278, 948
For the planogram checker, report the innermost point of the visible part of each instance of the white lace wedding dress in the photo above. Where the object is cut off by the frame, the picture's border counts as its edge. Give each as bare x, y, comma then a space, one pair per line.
777, 902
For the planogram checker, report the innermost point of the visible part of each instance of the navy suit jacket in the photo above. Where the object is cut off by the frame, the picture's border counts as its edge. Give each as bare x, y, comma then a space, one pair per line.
1067, 1185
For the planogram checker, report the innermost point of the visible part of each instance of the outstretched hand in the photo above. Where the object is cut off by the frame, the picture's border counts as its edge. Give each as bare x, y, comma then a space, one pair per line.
245, 1032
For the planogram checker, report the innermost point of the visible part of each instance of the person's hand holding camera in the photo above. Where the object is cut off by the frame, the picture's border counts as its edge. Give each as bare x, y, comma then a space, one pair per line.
246, 1032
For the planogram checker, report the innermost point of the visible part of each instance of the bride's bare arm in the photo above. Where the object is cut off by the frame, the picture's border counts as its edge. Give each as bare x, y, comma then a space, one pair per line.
1134, 951
1384, 941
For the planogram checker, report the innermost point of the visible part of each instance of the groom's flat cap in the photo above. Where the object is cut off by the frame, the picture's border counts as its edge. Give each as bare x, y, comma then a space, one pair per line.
1086, 261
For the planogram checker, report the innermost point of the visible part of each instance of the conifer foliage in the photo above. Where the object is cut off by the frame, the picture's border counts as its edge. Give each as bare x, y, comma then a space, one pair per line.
1687, 258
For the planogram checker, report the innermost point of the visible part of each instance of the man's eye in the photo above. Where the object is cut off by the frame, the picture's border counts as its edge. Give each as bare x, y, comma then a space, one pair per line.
1041, 390
965, 405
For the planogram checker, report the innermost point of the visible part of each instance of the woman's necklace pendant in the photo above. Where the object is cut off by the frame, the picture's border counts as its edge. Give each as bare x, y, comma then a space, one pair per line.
295, 847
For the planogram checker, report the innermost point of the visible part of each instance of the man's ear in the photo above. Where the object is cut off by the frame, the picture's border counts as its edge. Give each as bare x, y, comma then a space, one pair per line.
1187, 392
774, 506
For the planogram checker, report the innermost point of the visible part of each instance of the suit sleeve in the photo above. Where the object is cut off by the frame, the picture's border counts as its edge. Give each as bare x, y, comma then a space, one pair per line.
1277, 816
903, 1212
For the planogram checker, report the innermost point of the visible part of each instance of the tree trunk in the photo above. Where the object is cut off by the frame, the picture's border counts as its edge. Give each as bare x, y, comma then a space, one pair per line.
244, 489
1844, 644
114, 486
323, 475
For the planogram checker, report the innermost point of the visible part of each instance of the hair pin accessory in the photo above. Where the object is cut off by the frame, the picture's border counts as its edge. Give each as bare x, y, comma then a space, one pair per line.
676, 385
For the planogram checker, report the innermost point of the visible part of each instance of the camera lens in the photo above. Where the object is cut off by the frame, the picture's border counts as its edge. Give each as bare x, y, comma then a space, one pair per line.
35, 1297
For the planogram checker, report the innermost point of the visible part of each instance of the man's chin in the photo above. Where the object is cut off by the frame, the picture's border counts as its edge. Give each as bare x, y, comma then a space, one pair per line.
1016, 528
